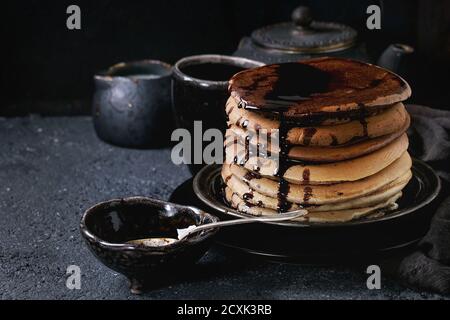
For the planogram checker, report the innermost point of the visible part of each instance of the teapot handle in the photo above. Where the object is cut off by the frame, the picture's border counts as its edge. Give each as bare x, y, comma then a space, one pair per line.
392, 57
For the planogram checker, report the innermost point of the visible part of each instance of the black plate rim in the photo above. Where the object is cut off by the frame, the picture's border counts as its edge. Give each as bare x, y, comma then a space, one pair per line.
207, 171
279, 256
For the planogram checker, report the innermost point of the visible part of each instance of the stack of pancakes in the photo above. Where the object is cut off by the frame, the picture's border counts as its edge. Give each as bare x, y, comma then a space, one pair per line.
325, 134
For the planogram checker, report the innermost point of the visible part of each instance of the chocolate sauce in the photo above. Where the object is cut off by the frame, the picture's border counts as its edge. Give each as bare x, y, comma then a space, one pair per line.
247, 149
334, 140
211, 71
283, 186
305, 89
307, 193
288, 84
293, 82
307, 135
362, 119
307, 190
249, 204
305, 175
269, 144
364, 125
230, 110
250, 175
248, 195
258, 152
375, 82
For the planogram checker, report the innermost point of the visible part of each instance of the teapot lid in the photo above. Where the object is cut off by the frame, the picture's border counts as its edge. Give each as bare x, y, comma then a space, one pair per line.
305, 35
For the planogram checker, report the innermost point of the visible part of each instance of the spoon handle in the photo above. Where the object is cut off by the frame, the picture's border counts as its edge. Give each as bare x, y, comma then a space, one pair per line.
281, 217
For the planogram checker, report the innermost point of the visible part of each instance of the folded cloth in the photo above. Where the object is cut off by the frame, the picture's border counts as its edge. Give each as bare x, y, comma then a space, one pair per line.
429, 266
429, 137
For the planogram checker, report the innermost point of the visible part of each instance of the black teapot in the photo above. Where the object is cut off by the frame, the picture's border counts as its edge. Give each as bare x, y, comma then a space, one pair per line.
305, 38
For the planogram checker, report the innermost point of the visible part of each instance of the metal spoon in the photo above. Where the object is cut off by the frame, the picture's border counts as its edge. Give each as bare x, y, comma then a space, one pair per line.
183, 233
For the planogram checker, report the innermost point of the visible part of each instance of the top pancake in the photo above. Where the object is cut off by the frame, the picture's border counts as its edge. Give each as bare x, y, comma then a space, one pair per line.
317, 87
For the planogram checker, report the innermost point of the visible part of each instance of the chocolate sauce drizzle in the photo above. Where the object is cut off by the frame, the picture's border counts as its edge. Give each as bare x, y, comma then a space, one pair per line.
308, 134
283, 186
283, 164
362, 119
269, 144
250, 175
307, 193
305, 175
230, 110
334, 140
248, 195
247, 149
304, 89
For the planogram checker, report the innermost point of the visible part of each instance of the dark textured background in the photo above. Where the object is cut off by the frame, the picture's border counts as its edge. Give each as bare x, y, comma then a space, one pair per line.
47, 65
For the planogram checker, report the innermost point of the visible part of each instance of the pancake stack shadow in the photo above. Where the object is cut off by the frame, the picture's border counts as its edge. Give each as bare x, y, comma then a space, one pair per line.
327, 134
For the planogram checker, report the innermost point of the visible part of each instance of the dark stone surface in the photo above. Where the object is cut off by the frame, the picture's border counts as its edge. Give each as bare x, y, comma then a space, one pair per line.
51, 169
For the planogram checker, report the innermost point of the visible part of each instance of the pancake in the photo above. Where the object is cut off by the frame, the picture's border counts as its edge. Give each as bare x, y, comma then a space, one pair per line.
322, 194
325, 134
391, 120
266, 119
320, 217
325, 173
317, 86
252, 197
258, 143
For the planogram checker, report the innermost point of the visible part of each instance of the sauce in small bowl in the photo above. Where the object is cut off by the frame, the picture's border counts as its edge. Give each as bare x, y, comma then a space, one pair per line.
138, 237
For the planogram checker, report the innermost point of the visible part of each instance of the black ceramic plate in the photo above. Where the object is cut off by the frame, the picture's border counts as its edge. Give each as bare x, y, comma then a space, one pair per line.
305, 241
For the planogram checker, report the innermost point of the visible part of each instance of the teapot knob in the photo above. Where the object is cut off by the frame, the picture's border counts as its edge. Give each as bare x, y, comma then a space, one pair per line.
302, 16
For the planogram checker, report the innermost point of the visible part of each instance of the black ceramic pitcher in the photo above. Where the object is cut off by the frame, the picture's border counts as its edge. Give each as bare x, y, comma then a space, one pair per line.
132, 104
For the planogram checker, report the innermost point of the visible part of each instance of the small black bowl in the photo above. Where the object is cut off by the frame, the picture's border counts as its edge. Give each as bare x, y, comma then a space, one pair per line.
108, 226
